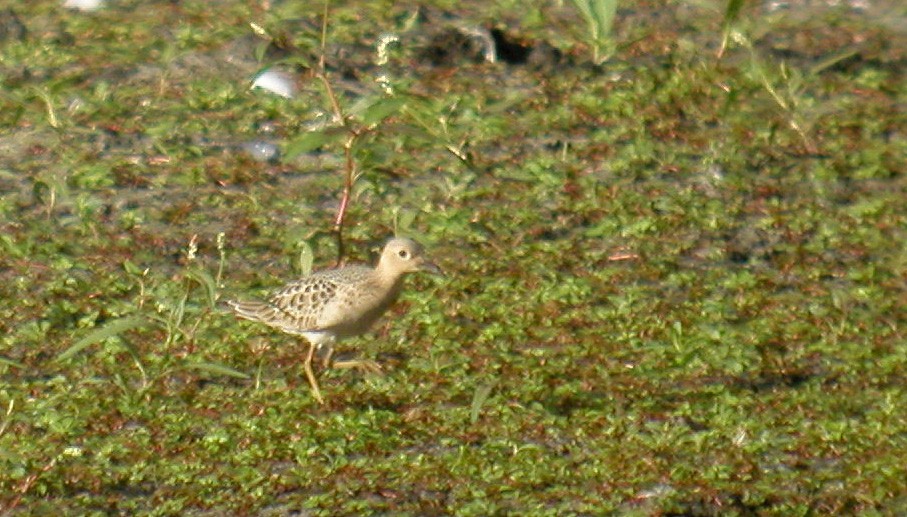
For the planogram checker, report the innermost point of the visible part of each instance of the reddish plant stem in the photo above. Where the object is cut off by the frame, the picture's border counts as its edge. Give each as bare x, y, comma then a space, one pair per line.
345, 197
349, 173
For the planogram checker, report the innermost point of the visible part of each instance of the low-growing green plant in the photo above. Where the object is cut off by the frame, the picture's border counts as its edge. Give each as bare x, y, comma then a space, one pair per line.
177, 308
361, 130
599, 16
655, 301
788, 87
352, 128
731, 15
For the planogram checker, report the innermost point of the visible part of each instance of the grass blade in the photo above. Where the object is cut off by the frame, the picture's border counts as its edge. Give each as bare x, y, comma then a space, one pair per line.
10, 362
599, 17
479, 399
216, 368
732, 11
207, 281
306, 258
731, 15
604, 11
108, 330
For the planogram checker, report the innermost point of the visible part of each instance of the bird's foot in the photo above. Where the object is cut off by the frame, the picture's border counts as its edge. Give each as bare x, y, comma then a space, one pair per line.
363, 365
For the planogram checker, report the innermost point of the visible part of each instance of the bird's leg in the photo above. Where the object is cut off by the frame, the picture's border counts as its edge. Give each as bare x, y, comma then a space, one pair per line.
307, 366
364, 366
326, 360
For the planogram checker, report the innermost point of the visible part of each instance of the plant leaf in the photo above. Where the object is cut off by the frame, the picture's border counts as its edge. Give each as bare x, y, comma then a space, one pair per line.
479, 399
732, 11
207, 281
131, 268
306, 258
381, 109
109, 329
10, 362
217, 368
585, 9
403, 220
604, 11
308, 142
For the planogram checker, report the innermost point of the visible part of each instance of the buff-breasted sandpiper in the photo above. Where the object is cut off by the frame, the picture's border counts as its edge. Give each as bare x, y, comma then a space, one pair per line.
334, 304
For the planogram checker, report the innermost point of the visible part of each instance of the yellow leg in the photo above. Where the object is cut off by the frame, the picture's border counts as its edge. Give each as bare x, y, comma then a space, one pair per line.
307, 366
326, 361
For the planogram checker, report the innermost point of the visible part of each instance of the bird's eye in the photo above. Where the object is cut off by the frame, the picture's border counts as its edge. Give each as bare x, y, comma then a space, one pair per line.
404, 254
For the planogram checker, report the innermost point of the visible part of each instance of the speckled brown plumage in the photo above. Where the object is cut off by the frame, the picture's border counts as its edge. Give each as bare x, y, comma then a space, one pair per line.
335, 304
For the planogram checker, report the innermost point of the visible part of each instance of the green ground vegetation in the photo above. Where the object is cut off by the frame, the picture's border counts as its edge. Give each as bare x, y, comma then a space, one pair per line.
676, 255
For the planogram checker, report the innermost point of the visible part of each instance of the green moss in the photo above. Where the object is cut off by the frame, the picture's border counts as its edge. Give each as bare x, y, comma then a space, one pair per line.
674, 283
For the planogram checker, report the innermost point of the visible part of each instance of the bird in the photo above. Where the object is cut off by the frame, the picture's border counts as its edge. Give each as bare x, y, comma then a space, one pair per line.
333, 304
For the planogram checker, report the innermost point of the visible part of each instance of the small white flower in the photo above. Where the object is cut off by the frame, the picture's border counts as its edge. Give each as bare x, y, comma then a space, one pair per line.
72, 451
192, 249
384, 42
384, 81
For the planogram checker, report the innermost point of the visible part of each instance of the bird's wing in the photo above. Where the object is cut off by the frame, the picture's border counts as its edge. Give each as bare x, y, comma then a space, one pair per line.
306, 299
301, 302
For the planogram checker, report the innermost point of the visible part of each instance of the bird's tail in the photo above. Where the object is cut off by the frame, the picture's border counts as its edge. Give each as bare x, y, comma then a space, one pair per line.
255, 311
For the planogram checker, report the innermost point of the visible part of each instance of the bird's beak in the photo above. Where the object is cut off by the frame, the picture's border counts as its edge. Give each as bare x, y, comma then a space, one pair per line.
430, 267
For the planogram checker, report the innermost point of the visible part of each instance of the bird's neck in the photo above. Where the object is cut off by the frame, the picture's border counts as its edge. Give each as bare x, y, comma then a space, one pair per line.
388, 278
